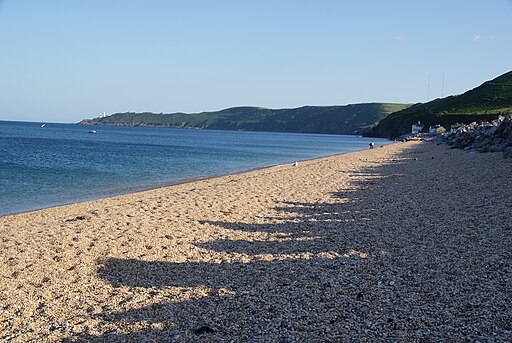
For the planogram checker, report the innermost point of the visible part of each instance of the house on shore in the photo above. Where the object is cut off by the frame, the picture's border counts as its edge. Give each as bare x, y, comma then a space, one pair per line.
416, 128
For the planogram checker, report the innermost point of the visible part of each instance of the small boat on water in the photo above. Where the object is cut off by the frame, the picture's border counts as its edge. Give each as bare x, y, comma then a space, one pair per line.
43, 125
93, 131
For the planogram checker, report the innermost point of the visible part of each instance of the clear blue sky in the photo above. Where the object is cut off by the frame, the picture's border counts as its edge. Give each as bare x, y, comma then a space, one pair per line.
65, 60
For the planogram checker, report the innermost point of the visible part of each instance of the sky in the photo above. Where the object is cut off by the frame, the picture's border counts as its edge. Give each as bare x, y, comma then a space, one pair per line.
62, 60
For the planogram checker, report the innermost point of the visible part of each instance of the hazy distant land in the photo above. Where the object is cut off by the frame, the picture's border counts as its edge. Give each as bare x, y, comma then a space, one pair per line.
348, 119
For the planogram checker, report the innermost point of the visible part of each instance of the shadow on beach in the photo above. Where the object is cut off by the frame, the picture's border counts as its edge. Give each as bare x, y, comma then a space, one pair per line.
350, 269
254, 300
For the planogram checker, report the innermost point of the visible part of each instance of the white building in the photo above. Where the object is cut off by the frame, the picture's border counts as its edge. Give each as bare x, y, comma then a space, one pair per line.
416, 128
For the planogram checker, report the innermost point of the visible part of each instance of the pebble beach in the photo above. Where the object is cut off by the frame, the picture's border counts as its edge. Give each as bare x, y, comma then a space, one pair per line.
406, 242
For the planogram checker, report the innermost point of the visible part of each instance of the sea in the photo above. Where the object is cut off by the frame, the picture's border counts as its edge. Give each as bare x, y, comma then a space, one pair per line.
45, 165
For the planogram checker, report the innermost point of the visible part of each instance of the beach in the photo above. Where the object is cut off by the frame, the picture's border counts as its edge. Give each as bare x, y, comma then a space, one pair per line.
409, 241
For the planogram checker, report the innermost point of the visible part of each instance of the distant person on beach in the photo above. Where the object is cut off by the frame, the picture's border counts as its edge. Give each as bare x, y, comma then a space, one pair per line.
370, 145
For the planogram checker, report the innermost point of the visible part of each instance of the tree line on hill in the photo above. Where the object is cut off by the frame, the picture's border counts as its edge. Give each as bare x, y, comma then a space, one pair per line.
388, 120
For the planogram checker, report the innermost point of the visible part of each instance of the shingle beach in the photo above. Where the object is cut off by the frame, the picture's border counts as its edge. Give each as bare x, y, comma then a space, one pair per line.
406, 242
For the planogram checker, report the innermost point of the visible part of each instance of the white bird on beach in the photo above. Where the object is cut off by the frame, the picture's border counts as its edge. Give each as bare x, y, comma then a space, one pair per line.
296, 164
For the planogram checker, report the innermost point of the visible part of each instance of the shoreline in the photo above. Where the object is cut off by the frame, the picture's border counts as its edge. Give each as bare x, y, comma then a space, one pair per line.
136, 190
405, 242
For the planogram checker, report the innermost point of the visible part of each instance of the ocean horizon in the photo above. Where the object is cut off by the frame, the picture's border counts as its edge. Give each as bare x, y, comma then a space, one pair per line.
46, 165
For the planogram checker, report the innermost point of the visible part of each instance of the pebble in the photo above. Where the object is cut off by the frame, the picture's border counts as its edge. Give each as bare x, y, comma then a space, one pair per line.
349, 248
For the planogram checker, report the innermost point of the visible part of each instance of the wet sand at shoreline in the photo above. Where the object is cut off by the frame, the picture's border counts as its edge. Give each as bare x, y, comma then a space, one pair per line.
411, 241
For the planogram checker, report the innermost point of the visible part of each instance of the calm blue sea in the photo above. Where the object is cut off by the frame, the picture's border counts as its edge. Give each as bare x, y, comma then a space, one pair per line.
64, 163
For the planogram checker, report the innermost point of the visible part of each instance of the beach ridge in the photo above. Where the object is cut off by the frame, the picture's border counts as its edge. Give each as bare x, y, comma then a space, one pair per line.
388, 243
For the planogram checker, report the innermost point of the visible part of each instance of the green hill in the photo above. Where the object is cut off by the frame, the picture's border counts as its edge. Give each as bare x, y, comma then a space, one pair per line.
349, 119
485, 102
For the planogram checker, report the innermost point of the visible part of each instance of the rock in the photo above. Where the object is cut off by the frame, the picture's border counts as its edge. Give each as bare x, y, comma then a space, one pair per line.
483, 137
204, 329
74, 219
485, 148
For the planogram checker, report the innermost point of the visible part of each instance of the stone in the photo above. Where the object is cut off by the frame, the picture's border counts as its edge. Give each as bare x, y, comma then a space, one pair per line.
203, 329
484, 137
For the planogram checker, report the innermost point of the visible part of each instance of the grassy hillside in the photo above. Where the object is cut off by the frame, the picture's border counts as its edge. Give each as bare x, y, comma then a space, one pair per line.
481, 103
349, 119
